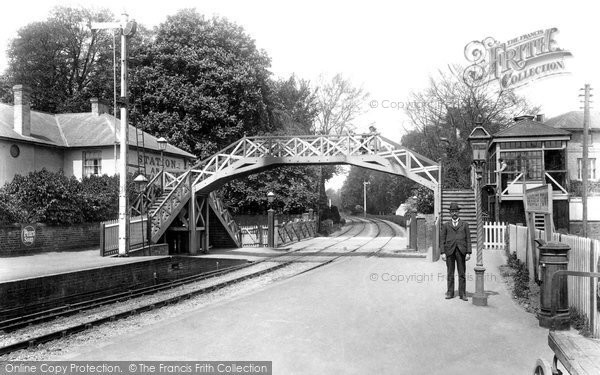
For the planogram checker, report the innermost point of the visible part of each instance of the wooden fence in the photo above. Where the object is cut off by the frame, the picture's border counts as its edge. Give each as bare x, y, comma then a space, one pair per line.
109, 234
254, 235
494, 235
583, 256
294, 231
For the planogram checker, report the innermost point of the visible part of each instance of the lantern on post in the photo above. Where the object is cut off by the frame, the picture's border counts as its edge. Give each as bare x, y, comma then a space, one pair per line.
479, 140
271, 220
162, 146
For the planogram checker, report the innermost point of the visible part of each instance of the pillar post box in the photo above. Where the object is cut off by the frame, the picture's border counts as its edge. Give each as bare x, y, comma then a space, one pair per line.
554, 257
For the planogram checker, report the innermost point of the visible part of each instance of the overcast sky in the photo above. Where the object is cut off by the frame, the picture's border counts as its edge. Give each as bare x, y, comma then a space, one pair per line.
390, 49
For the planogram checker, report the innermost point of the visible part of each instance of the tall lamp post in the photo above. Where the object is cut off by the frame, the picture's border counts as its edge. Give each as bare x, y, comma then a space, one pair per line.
162, 146
479, 140
365, 183
271, 220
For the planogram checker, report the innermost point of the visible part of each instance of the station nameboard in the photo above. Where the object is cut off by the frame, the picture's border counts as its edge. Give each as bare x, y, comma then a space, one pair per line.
538, 199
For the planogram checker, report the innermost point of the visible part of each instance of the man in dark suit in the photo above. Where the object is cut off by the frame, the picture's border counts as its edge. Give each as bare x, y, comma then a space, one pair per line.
455, 245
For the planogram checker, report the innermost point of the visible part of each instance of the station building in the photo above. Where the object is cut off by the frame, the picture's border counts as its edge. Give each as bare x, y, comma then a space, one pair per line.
80, 144
539, 152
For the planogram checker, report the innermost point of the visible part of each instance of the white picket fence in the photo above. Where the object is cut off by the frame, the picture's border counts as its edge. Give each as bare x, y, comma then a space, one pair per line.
583, 256
494, 235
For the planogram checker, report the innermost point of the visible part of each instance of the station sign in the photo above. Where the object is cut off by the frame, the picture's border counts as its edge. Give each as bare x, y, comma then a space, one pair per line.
538, 199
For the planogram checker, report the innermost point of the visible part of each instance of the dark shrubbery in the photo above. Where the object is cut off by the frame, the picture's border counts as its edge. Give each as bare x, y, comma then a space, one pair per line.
55, 199
521, 276
332, 214
580, 322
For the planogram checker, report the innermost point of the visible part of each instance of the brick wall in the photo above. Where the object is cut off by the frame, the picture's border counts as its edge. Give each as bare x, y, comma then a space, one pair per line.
46, 238
55, 290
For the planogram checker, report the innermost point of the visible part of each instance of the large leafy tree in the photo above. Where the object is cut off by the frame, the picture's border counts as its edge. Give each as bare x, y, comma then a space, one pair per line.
295, 188
63, 60
202, 83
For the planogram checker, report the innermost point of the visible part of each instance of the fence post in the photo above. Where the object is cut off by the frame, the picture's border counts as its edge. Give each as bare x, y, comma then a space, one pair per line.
593, 298
276, 233
271, 233
259, 235
102, 241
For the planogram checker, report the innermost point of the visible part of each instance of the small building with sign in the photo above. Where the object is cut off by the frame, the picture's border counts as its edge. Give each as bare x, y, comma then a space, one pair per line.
535, 155
81, 144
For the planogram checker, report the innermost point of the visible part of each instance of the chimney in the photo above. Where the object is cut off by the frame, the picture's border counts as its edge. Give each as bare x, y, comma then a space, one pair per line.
540, 117
524, 117
22, 110
99, 107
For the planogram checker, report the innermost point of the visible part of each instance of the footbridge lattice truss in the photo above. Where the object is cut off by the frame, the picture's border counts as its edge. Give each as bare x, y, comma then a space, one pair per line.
253, 154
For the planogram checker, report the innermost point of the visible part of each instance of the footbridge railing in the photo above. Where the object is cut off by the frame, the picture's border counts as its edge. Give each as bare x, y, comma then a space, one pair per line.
252, 154
371, 151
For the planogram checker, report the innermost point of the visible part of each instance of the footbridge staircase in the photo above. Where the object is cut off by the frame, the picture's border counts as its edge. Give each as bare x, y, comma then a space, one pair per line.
188, 198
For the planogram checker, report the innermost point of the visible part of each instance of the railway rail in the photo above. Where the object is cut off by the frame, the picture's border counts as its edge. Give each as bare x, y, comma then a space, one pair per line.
282, 261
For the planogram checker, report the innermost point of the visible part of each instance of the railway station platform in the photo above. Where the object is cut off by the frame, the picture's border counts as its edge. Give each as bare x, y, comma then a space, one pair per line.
32, 282
45, 264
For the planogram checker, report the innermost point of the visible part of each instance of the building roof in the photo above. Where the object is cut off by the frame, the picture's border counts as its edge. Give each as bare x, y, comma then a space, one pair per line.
76, 130
574, 120
530, 128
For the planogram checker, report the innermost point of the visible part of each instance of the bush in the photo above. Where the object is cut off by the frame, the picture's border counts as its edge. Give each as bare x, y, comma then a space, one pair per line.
43, 196
521, 276
425, 200
580, 322
100, 196
335, 215
54, 199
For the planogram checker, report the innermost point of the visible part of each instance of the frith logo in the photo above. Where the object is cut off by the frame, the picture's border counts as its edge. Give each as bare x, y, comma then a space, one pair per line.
28, 235
516, 62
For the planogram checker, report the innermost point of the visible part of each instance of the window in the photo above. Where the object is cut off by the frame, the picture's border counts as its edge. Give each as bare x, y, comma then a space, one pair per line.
92, 163
529, 162
591, 168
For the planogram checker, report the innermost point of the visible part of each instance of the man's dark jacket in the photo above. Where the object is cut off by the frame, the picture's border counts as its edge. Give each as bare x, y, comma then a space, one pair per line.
452, 238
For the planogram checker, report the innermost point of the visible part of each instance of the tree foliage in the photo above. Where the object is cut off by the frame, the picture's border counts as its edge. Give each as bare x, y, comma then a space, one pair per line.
54, 199
63, 60
291, 186
385, 192
339, 103
202, 83
449, 108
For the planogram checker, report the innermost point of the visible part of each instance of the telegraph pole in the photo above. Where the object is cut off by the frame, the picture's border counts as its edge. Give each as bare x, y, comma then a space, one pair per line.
584, 158
127, 29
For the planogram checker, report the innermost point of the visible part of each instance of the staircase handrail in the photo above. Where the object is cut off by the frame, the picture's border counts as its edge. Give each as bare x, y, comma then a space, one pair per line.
231, 223
168, 197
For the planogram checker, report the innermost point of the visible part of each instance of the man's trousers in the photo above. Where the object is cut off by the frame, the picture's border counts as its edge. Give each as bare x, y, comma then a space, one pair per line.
457, 258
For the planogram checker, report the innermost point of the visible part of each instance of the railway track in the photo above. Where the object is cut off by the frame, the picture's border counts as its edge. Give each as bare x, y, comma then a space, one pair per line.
283, 260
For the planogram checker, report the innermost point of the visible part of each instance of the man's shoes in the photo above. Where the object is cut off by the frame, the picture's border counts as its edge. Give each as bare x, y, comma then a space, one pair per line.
449, 296
464, 298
